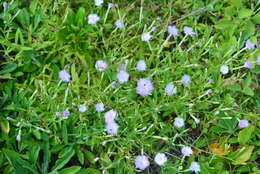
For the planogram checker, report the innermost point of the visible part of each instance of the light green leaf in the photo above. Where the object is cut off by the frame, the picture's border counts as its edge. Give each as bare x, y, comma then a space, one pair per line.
245, 134
70, 170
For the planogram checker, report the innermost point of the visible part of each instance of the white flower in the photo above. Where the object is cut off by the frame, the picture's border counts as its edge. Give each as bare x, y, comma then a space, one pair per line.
93, 18
178, 122
100, 107
195, 167
224, 69
101, 65
146, 37
64, 76
82, 108
110, 5
197, 121
160, 159
112, 128
170, 89
141, 65
186, 151
172, 30
98, 2
18, 138
110, 116
188, 31
122, 76
142, 162
119, 24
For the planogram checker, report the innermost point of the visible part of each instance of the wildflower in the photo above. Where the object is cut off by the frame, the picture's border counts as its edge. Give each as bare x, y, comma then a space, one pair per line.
113, 85
66, 113
210, 81
195, 167
100, 107
170, 89
186, 151
101, 65
110, 116
248, 64
93, 18
144, 87
141, 65
146, 37
5, 4
209, 91
160, 159
224, 69
250, 45
98, 2
197, 121
141, 162
18, 137
110, 5
82, 108
57, 113
258, 60
243, 123
64, 76
122, 76
119, 24
172, 30
188, 31
178, 122
185, 79
112, 128
154, 28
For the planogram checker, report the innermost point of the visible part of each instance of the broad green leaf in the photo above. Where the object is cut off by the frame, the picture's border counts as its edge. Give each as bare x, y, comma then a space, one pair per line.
10, 67
5, 126
234, 87
245, 13
80, 17
80, 156
248, 91
242, 155
64, 160
70, 17
245, 134
34, 153
90, 156
70, 170
256, 18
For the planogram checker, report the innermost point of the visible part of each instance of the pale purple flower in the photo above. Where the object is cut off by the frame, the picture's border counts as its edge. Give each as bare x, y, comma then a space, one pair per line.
186, 151
110, 5
210, 81
224, 69
101, 65
258, 60
82, 108
113, 85
141, 65
141, 162
99, 2
64, 76
154, 28
250, 45
119, 24
209, 91
112, 128
122, 76
172, 30
170, 89
144, 87
67, 92
185, 79
248, 64
178, 122
93, 18
188, 31
57, 113
195, 167
100, 107
197, 121
160, 159
243, 123
110, 116
18, 137
5, 4
146, 37
66, 113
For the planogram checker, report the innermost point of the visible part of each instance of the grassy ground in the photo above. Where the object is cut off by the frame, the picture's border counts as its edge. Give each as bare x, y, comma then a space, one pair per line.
39, 38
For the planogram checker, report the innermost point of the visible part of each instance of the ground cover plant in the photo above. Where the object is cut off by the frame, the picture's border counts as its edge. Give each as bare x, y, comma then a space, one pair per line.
121, 87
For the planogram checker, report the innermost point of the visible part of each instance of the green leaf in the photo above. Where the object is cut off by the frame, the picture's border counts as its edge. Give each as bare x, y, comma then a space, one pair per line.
5, 126
90, 156
256, 18
64, 160
34, 153
80, 17
64, 132
248, 91
23, 17
241, 155
70, 17
245, 13
234, 87
89, 171
80, 156
70, 170
245, 134
10, 67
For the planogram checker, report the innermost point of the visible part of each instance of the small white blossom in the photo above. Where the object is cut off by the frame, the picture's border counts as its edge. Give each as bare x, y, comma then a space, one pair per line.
82, 108
110, 116
141, 65
160, 159
186, 151
195, 167
141, 162
100, 107
98, 2
93, 18
170, 89
122, 76
178, 122
119, 24
101, 65
188, 31
146, 37
64, 76
112, 128
224, 69
172, 30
